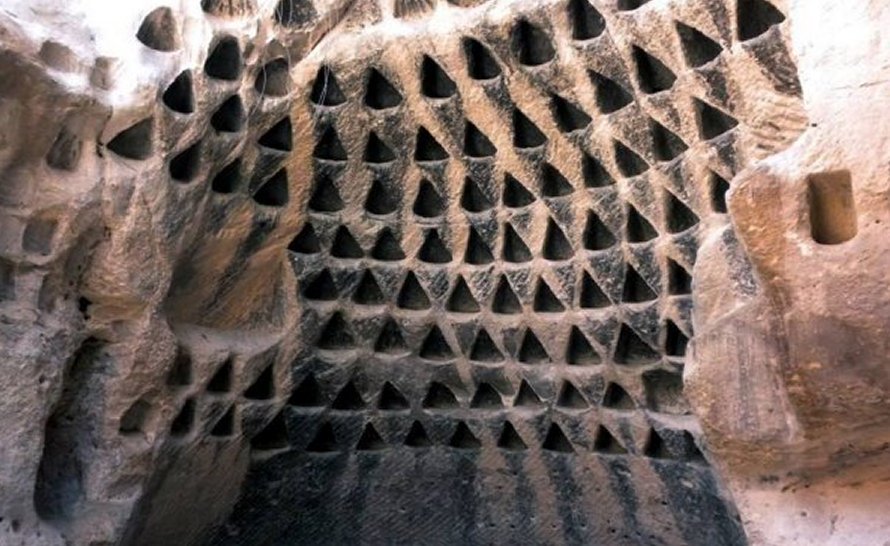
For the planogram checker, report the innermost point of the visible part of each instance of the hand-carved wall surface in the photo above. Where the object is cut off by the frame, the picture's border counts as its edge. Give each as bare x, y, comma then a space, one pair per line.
283, 273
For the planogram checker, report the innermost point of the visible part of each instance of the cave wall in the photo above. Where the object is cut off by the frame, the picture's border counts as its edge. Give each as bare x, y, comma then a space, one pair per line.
415, 271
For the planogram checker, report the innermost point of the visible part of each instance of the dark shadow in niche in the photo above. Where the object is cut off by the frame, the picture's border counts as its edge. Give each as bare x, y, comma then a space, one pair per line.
610, 96
554, 183
273, 79
159, 30
675, 340
224, 61
531, 45
392, 399
711, 121
679, 280
473, 199
412, 296
486, 397
329, 146
185, 165
632, 350
228, 179
639, 229
274, 192
429, 203
322, 287
348, 399
652, 74
514, 248
587, 22
326, 90
719, 187
570, 397
179, 95
629, 162
481, 64
616, 397
463, 438
526, 134
756, 17
516, 195
531, 351
377, 152
222, 380
636, 289
461, 299
505, 301
592, 296
666, 144
545, 300
832, 209
579, 351
439, 396
698, 48
428, 148
184, 421
476, 144
279, 137
417, 436
325, 196
229, 117
556, 245
273, 436
605, 442
263, 387
134, 142
484, 348
568, 116
305, 242
435, 347
679, 216
390, 341
387, 247
527, 397
630, 5
180, 373
225, 425
380, 94
477, 253
368, 291
370, 440
380, 199
133, 420
596, 235
435, 83
345, 246
510, 439
433, 250
308, 394
295, 13
557, 441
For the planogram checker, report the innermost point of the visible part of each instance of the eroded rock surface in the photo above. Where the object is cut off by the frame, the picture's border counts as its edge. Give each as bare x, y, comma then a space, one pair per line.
395, 272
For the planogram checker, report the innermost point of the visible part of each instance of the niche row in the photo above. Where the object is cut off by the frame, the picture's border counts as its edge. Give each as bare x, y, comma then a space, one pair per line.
322, 287
274, 437
662, 388
630, 349
666, 146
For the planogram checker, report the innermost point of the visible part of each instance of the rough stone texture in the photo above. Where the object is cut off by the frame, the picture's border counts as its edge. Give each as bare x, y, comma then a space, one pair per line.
420, 272
789, 371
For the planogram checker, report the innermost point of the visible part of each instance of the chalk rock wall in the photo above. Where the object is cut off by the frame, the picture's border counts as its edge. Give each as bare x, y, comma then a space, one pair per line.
410, 271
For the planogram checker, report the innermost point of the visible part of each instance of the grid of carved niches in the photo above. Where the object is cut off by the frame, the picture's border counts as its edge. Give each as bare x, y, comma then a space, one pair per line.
558, 254
221, 127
